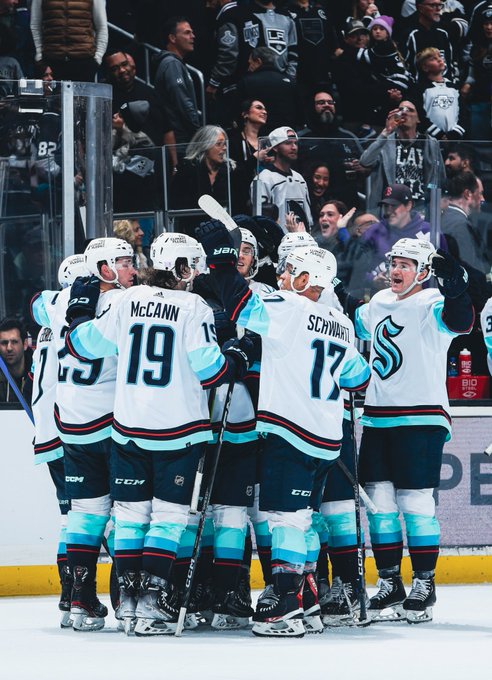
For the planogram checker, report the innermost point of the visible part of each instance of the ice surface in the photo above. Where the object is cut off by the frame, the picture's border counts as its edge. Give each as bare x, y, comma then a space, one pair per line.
456, 645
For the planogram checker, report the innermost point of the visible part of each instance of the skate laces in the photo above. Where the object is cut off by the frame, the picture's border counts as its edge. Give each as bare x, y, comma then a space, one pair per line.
337, 592
385, 586
268, 598
421, 587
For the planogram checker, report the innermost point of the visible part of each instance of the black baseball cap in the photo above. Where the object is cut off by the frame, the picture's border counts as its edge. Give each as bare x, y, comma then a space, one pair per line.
395, 194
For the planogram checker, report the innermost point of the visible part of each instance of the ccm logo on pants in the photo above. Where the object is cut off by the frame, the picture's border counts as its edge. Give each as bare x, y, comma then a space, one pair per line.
300, 492
130, 482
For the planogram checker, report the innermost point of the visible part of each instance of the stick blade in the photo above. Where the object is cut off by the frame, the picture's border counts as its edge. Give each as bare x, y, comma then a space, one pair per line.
214, 210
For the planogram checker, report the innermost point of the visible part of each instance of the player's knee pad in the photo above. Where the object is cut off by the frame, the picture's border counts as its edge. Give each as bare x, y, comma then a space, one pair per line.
337, 507
93, 506
416, 501
300, 519
137, 512
164, 512
383, 495
229, 516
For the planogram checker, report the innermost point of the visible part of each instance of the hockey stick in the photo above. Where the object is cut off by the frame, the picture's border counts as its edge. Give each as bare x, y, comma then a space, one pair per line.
205, 503
197, 484
17, 391
214, 210
358, 526
367, 501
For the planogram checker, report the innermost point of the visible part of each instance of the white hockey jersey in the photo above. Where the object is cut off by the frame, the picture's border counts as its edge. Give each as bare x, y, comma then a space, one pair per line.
85, 389
441, 104
308, 356
408, 359
167, 357
486, 323
47, 444
280, 188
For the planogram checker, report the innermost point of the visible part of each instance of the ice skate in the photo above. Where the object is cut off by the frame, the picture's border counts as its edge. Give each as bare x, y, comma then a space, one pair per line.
64, 604
418, 605
231, 610
201, 603
279, 614
86, 611
387, 604
310, 604
156, 610
342, 606
128, 595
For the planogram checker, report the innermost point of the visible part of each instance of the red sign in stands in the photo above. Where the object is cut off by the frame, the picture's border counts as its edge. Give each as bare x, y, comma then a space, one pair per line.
468, 387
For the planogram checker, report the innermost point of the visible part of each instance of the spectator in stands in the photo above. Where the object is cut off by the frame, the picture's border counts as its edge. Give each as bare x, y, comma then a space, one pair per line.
438, 101
17, 19
465, 240
319, 187
390, 78
364, 10
279, 183
460, 157
17, 356
173, 82
423, 29
478, 85
276, 89
10, 69
400, 220
325, 232
72, 40
130, 231
205, 169
323, 140
401, 155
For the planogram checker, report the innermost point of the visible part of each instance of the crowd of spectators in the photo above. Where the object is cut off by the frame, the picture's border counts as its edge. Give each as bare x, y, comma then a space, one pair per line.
326, 115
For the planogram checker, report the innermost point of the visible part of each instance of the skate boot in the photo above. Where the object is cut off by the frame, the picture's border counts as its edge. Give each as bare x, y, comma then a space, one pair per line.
127, 602
201, 603
86, 611
310, 604
231, 610
418, 605
66, 582
156, 611
342, 606
386, 605
279, 611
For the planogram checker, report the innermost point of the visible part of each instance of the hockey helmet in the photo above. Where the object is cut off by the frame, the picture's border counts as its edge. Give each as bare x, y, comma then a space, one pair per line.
248, 237
106, 250
320, 264
290, 242
167, 248
418, 249
71, 267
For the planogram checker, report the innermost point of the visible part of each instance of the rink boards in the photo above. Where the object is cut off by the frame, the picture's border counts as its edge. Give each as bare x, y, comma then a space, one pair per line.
30, 519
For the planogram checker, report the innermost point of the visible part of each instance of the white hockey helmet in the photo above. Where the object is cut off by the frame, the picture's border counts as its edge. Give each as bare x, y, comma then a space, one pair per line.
71, 267
290, 242
248, 237
106, 249
421, 251
320, 264
169, 247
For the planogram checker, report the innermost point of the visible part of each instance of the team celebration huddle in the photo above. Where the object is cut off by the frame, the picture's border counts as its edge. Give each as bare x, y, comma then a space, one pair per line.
202, 407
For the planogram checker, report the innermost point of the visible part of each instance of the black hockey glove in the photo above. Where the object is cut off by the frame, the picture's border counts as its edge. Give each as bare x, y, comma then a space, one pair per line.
84, 295
452, 278
267, 233
218, 242
240, 351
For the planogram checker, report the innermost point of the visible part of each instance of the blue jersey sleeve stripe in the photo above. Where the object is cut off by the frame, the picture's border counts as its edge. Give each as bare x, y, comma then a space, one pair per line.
88, 342
360, 330
38, 308
206, 361
254, 316
356, 373
437, 310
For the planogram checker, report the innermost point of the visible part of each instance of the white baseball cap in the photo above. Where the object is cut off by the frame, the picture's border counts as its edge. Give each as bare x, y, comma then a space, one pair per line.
281, 134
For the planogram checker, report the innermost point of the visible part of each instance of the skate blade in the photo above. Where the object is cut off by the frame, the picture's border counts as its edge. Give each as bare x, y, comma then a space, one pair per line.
290, 628
424, 616
66, 620
394, 613
228, 622
313, 624
147, 627
190, 622
83, 622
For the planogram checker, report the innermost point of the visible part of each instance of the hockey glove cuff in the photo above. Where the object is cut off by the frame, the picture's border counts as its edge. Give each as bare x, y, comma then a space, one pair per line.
84, 295
238, 351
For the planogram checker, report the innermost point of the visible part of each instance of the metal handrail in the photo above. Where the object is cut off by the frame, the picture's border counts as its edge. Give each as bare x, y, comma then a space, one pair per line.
148, 49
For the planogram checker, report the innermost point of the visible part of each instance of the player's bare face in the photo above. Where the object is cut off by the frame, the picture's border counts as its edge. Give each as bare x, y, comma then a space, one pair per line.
245, 259
12, 347
402, 273
126, 271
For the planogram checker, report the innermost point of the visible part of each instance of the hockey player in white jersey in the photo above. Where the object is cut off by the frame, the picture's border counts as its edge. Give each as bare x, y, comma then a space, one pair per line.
406, 416
167, 357
47, 444
307, 356
486, 323
83, 412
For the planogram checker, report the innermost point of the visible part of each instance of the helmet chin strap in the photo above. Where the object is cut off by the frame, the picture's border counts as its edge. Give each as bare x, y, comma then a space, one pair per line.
308, 285
114, 281
415, 282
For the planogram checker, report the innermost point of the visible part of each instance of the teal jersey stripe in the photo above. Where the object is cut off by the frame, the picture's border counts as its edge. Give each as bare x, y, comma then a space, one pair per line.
360, 330
88, 342
48, 456
206, 361
169, 445
400, 421
296, 441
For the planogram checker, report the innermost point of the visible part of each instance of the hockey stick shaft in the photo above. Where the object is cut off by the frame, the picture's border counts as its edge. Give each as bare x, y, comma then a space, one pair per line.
17, 391
367, 501
358, 525
205, 503
197, 484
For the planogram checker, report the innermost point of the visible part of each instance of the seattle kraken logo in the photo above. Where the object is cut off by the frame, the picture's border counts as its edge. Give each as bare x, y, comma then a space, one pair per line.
389, 357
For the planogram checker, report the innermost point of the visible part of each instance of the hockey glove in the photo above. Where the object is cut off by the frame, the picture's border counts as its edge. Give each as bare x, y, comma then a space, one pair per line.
218, 243
452, 278
239, 351
84, 295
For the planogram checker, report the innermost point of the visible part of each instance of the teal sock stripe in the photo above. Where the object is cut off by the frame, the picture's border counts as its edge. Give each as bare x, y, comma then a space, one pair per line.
313, 545
187, 542
263, 534
62, 542
129, 535
385, 527
85, 529
342, 530
422, 530
289, 546
229, 543
164, 536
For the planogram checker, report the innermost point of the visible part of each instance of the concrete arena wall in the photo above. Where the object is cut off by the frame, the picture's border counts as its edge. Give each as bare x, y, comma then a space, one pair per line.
29, 516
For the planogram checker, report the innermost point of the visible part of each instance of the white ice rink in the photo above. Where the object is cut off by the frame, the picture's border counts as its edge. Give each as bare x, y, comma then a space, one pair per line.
456, 645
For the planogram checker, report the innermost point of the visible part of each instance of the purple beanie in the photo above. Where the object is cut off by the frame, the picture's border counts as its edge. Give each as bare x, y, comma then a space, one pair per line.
384, 21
